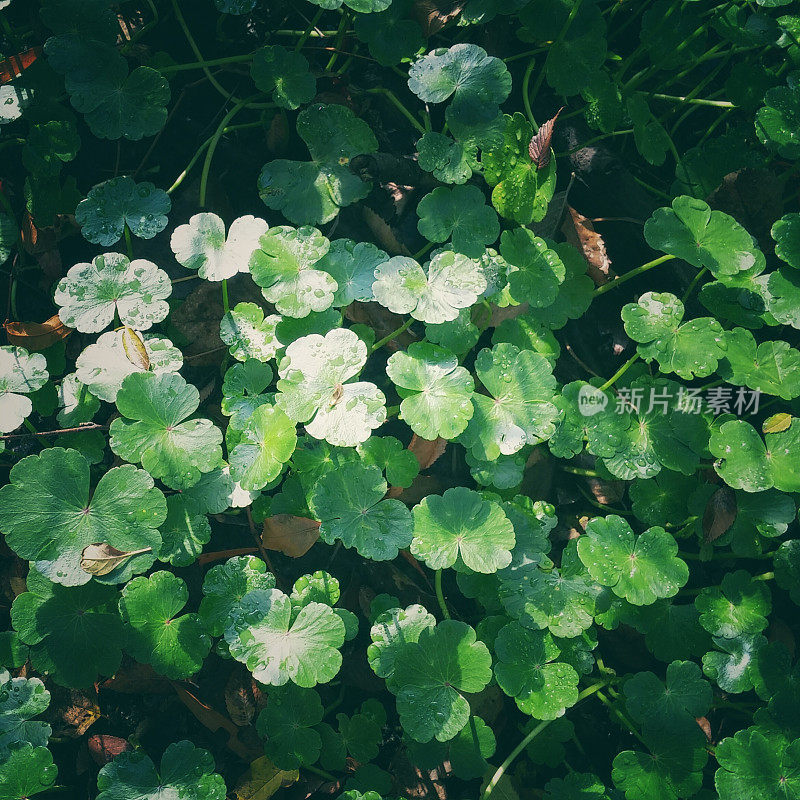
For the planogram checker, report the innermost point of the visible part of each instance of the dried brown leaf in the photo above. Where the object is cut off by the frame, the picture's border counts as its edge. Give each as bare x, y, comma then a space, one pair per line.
101, 558
580, 233
384, 233
720, 513
104, 748
290, 535
705, 726
242, 697
36, 336
81, 713
433, 15
427, 451
539, 147
137, 679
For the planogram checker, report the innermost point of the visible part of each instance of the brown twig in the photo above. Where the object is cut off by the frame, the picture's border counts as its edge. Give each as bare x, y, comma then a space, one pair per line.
89, 426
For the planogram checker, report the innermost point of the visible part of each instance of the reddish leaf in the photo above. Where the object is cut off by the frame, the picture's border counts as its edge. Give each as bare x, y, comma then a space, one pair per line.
539, 148
720, 513
13, 66
290, 535
104, 748
36, 336
242, 697
427, 451
137, 679
705, 726
580, 232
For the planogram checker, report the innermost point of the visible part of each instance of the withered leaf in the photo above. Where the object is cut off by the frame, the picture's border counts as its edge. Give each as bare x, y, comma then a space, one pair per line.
263, 779
101, 558
427, 451
720, 513
242, 697
290, 535
433, 15
539, 147
134, 348
580, 233
104, 748
37, 336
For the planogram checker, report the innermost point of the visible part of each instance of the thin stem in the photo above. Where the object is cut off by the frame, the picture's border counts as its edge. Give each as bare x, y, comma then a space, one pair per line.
620, 716
688, 293
395, 101
620, 372
393, 335
440, 595
586, 473
212, 145
501, 770
423, 251
321, 773
307, 32
607, 287
696, 101
29, 425
212, 62
92, 426
128, 242
225, 305
526, 100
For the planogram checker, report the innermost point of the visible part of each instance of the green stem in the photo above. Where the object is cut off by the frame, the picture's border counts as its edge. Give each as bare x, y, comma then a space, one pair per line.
128, 242
423, 251
395, 101
337, 42
212, 62
586, 473
320, 772
765, 576
30, 426
393, 335
440, 595
620, 372
526, 100
307, 32
688, 293
212, 146
225, 305
607, 287
620, 716
501, 770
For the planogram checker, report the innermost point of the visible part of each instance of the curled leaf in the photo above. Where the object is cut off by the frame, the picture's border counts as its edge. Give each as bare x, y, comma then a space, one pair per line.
134, 349
101, 558
539, 148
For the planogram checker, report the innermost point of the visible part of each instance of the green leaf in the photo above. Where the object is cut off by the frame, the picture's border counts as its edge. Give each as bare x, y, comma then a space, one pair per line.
539, 269
319, 587
448, 160
174, 645
118, 202
267, 443
285, 267
477, 83
90, 294
460, 528
313, 388
399, 464
308, 193
459, 335
352, 265
117, 104
745, 461
186, 771
505, 472
770, 367
473, 744
639, 568
26, 771
786, 233
703, 238
390, 632
436, 391
285, 74
226, 584
184, 532
157, 433
453, 281
21, 373
361, 734
431, 676
733, 666
74, 633
459, 214
262, 635
519, 409
20, 700
652, 139
527, 669
673, 707
249, 334
287, 726
334, 134
691, 349
390, 36
739, 606
757, 763
104, 365
48, 517
776, 122
202, 245
349, 503
237, 7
